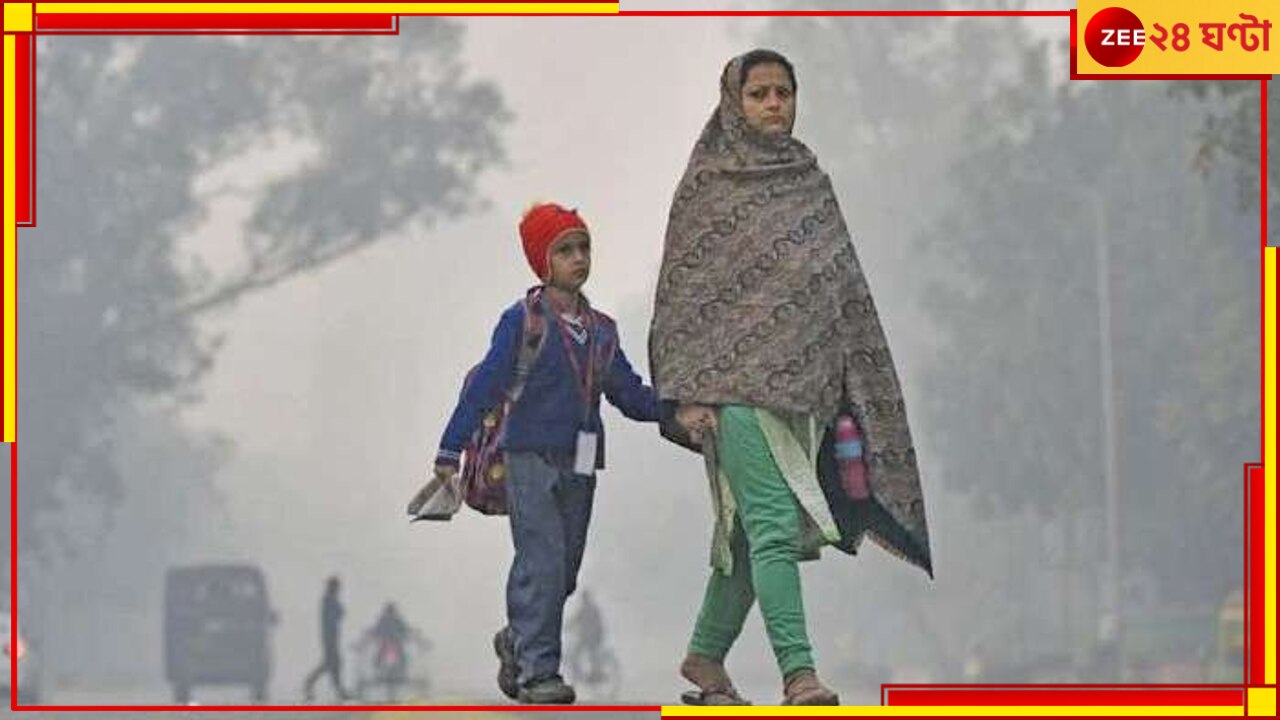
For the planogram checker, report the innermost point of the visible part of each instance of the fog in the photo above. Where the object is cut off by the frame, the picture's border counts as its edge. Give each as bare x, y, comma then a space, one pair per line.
315, 414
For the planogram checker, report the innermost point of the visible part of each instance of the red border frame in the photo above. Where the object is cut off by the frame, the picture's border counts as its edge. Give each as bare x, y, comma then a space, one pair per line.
26, 128
1255, 641
1064, 695
891, 694
215, 23
13, 584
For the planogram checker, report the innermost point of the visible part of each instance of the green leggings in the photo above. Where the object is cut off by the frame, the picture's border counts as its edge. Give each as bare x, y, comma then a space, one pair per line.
764, 559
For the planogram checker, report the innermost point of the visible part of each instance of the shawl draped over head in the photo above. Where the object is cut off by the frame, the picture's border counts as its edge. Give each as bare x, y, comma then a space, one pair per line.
761, 301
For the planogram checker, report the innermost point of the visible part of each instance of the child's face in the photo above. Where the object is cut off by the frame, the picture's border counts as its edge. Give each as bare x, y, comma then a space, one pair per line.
570, 258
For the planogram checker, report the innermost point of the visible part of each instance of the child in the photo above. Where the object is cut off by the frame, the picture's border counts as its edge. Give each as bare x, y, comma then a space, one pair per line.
552, 443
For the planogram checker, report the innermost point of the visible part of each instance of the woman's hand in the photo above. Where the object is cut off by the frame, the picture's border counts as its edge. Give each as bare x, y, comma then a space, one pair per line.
696, 420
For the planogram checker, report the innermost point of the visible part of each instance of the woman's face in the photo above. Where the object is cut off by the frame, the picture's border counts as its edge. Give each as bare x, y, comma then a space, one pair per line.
768, 99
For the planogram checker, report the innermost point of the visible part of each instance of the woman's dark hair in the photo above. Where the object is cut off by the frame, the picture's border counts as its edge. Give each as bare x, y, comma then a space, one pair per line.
761, 57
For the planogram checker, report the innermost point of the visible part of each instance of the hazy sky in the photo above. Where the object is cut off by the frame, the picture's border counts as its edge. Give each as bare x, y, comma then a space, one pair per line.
335, 386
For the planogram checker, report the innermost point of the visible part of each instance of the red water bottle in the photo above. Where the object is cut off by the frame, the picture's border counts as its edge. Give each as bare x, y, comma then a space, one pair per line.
853, 470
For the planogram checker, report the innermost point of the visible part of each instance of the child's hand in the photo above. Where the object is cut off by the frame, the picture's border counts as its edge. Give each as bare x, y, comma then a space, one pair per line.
696, 420
444, 473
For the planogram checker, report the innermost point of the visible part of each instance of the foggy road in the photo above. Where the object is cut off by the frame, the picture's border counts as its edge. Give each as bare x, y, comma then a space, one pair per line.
391, 712
124, 697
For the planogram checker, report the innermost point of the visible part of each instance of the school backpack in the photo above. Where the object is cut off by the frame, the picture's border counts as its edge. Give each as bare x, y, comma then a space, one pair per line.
484, 473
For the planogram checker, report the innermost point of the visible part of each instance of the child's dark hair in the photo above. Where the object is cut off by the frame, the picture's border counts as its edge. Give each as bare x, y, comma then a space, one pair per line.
760, 57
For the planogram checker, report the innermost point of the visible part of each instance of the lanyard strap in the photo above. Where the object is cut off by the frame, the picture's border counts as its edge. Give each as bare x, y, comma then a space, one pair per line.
582, 380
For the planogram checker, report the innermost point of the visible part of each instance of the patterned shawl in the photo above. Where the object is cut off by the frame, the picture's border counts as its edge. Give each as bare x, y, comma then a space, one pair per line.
761, 301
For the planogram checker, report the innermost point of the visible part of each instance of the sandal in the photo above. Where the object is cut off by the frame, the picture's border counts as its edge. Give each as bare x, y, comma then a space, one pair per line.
804, 688
728, 696
714, 685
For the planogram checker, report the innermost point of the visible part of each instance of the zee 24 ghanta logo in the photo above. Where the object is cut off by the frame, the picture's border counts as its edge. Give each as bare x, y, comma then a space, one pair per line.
1115, 37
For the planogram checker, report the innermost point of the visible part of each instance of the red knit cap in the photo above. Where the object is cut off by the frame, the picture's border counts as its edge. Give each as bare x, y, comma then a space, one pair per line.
541, 226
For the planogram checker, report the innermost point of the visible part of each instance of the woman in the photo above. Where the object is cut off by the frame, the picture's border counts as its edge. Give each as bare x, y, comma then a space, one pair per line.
764, 332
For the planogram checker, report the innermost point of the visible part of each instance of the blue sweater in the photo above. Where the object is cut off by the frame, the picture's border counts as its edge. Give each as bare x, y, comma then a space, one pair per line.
548, 414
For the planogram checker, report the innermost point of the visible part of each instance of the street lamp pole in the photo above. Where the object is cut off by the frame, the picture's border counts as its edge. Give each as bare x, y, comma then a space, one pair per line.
1109, 629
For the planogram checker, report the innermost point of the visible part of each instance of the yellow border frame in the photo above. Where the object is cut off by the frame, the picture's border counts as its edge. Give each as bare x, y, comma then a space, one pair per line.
18, 17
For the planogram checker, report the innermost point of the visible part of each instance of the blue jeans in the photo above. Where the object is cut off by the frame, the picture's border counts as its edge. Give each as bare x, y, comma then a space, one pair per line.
550, 509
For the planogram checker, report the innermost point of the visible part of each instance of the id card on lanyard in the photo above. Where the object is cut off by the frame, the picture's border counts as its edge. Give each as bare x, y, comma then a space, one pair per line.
587, 448
584, 457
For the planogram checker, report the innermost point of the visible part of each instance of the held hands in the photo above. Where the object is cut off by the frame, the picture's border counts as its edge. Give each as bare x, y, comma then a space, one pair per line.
696, 420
